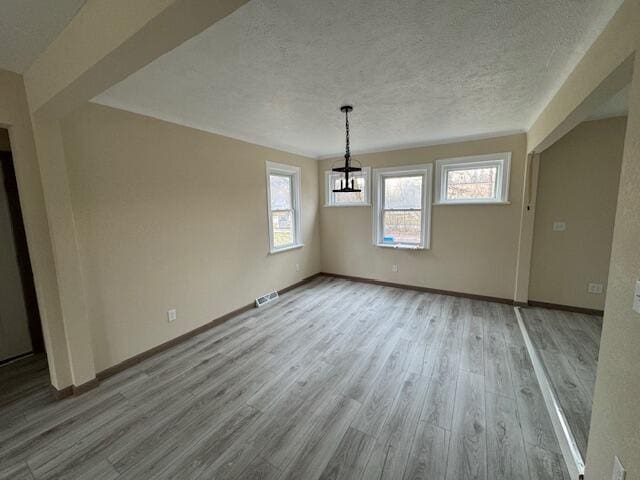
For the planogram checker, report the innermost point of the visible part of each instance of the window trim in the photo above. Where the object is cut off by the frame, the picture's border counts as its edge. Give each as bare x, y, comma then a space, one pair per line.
273, 168
379, 174
501, 160
328, 193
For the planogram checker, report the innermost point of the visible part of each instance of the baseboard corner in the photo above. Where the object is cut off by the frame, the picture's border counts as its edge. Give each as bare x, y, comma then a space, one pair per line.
566, 308
74, 390
59, 394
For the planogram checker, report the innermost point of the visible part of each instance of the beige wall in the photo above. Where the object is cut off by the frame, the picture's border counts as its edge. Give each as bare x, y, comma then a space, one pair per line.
172, 217
473, 247
615, 424
577, 184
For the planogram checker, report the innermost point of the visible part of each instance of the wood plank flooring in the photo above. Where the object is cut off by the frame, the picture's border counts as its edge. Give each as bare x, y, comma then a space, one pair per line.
568, 344
336, 380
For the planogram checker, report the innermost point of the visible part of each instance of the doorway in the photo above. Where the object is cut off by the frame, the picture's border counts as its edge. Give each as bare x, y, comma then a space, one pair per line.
576, 204
20, 327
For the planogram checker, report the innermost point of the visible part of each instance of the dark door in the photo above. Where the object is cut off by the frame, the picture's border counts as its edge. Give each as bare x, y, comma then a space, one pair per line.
22, 252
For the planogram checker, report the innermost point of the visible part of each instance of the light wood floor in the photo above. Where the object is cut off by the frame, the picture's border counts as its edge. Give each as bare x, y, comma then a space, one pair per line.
568, 344
337, 380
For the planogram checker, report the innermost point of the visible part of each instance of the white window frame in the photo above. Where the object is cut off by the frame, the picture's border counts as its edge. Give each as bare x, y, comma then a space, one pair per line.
500, 160
379, 174
329, 195
293, 172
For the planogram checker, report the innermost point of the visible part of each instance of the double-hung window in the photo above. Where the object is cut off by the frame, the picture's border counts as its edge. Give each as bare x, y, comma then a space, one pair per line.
351, 199
402, 207
478, 179
283, 202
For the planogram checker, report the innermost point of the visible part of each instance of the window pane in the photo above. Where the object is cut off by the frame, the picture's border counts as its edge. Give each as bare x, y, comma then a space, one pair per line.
353, 197
280, 192
282, 228
402, 192
472, 183
402, 227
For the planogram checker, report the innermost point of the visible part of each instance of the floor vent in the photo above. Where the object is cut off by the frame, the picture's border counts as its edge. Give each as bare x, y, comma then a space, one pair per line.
263, 300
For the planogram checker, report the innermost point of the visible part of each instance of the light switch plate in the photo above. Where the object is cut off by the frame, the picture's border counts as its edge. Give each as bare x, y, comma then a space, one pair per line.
559, 226
619, 473
595, 288
394, 268
636, 297
172, 315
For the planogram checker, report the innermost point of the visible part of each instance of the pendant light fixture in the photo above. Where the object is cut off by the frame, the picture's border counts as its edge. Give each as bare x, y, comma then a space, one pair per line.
347, 184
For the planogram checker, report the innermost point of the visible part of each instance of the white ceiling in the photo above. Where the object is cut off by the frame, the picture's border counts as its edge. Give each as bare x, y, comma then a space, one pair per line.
275, 72
28, 26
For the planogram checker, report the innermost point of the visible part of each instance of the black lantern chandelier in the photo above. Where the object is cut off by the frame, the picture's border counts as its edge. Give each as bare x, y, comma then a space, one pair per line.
347, 185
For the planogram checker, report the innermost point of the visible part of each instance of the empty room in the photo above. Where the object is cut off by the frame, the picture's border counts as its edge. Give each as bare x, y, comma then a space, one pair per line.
302, 239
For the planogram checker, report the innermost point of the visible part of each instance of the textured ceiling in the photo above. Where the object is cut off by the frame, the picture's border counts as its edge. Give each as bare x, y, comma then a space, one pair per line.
417, 71
27, 27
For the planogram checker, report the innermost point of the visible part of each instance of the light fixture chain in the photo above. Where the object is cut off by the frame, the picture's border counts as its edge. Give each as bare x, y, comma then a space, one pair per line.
347, 155
347, 185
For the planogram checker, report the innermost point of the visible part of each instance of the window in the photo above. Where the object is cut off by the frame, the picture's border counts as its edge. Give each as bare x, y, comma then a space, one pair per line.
332, 199
402, 207
283, 202
480, 179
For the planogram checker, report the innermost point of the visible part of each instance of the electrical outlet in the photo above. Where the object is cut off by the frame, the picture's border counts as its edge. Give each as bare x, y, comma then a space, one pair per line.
595, 288
297, 267
172, 315
619, 473
559, 226
636, 297
394, 268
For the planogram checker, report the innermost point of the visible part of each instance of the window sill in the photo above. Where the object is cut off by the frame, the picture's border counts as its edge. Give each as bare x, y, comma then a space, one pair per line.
348, 205
286, 249
473, 203
401, 247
